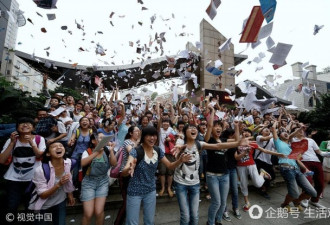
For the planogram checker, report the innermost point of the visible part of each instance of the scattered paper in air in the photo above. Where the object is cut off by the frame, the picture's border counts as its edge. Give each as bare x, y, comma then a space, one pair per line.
268, 9
270, 43
212, 9
225, 46
253, 25
280, 53
265, 31
317, 28
218, 63
51, 16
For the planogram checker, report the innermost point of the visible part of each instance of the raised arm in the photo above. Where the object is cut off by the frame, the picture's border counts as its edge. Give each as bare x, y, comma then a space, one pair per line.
274, 132
209, 124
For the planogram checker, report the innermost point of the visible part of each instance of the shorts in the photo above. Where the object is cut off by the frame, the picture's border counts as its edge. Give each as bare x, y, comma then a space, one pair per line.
94, 187
162, 169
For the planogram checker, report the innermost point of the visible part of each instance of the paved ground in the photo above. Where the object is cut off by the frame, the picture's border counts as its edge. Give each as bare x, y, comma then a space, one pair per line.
167, 211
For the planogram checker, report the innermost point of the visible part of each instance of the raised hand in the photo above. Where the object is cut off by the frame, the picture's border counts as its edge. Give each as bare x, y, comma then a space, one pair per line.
132, 167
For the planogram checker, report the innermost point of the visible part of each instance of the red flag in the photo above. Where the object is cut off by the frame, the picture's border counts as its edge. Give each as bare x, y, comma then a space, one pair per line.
253, 25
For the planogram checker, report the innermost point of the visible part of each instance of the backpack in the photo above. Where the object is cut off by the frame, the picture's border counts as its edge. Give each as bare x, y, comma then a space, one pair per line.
85, 169
31, 189
78, 131
10, 158
44, 126
114, 172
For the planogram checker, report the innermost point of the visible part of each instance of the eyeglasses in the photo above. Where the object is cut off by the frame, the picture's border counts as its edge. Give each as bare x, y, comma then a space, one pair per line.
192, 128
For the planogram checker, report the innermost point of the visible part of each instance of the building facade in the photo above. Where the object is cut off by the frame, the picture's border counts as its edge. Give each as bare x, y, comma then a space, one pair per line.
25, 77
298, 97
8, 22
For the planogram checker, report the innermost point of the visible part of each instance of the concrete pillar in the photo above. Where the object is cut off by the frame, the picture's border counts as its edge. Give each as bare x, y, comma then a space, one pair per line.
296, 69
312, 72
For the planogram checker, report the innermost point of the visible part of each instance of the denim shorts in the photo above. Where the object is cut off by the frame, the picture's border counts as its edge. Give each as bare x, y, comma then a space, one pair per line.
94, 187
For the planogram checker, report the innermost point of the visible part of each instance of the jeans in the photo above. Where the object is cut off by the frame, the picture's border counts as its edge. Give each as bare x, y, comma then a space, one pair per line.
123, 184
15, 195
203, 162
233, 187
218, 188
58, 213
133, 208
188, 199
295, 178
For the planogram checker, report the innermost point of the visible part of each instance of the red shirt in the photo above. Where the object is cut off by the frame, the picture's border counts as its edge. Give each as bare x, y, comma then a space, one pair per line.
248, 159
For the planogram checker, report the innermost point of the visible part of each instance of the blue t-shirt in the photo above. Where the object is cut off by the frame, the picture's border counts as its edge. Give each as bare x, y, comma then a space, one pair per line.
284, 148
143, 180
81, 146
111, 133
123, 129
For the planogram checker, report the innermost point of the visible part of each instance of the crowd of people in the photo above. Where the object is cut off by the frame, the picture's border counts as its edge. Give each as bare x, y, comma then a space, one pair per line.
189, 147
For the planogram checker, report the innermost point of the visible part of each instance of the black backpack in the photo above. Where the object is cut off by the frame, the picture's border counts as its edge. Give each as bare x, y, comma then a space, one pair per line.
140, 153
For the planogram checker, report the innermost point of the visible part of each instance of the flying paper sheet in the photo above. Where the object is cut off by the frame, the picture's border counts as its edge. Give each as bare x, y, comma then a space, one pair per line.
253, 25
51, 16
46, 4
317, 29
212, 9
270, 43
220, 114
268, 9
265, 31
225, 46
218, 63
298, 149
214, 71
280, 53
105, 140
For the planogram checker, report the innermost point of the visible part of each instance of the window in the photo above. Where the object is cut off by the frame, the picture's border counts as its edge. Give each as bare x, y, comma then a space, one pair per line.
23, 67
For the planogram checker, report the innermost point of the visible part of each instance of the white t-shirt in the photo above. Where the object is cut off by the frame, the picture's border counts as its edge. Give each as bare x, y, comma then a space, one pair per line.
162, 136
187, 173
24, 160
263, 156
61, 130
310, 154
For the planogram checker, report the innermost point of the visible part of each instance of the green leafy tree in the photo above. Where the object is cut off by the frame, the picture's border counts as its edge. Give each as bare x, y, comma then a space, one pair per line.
16, 103
318, 118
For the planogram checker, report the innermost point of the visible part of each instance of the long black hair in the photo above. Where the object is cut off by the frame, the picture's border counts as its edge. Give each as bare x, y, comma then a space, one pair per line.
130, 132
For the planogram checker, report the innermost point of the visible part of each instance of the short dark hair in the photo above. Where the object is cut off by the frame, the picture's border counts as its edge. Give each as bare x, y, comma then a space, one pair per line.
25, 120
248, 130
55, 97
149, 130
